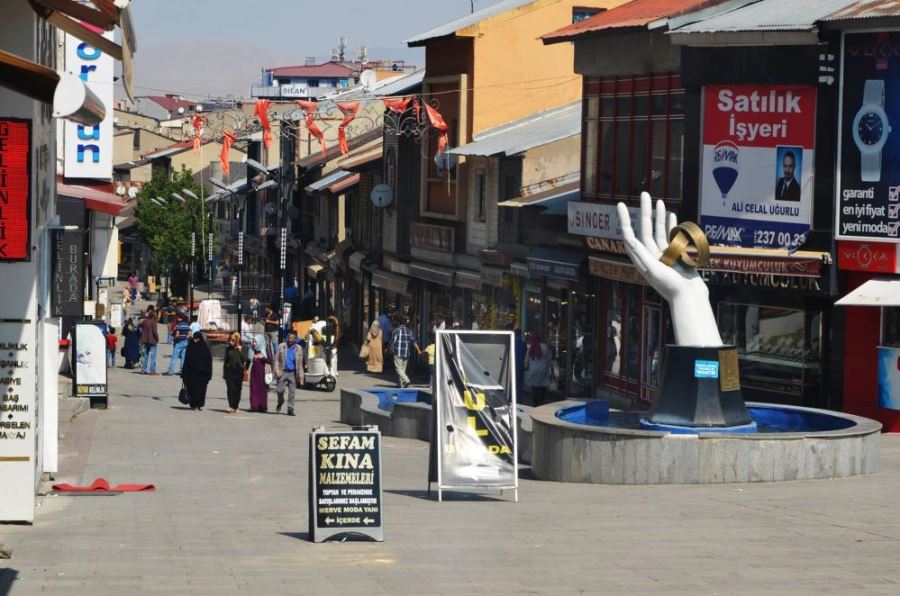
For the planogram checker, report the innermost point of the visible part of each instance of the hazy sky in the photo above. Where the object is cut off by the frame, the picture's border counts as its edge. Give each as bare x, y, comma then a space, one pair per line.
218, 47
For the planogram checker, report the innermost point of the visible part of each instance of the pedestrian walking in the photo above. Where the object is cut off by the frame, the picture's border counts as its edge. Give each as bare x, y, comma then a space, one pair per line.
430, 351
181, 336
133, 285
111, 344
233, 371
131, 351
537, 369
259, 389
197, 370
332, 337
402, 345
288, 371
247, 336
271, 324
372, 349
149, 340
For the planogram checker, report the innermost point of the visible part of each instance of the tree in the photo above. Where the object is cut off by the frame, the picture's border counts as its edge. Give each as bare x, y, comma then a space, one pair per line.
166, 229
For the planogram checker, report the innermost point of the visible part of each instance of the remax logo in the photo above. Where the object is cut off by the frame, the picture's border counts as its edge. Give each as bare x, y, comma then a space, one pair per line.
726, 166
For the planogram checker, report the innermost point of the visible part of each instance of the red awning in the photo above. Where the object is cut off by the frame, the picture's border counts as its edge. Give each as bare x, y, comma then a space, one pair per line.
94, 199
344, 184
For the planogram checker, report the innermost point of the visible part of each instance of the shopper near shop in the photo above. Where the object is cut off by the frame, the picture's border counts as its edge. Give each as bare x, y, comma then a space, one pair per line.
387, 325
197, 370
111, 343
537, 369
131, 351
372, 349
288, 371
133, 285
247, 336
259, 389
233, 371
521, 353
402, 344
181, 335
430, 351
149, 340
271, 322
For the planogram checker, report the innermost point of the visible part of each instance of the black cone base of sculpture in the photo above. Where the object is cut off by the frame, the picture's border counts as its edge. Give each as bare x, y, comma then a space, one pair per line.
700, 388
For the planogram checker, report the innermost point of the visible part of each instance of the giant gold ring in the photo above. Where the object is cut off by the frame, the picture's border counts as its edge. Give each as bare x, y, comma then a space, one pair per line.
682, 236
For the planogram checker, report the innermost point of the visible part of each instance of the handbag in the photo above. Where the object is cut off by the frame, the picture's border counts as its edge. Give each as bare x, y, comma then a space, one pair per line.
364, 350
183, 395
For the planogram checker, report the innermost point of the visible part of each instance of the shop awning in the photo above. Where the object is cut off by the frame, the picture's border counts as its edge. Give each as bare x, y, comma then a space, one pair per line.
469, 280
530, 132
94, 199
314, 269
553, 200
328, 180
391, 282
364, 155
559, 264
433, 273
881, 291
616, 269
344, 184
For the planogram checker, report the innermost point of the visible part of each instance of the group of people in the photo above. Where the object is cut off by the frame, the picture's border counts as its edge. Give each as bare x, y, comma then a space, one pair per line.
287, 367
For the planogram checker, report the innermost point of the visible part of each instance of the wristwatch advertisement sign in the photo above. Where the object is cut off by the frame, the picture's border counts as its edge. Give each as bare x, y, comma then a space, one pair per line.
757, 164
869, 190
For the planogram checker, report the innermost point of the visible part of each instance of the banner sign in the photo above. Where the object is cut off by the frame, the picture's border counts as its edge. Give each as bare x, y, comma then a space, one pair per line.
88, 150
18, 422
67, 264
877, 257
868, 205
89, 361
599, 220
474, 442
15, 189
345, 483
756, 185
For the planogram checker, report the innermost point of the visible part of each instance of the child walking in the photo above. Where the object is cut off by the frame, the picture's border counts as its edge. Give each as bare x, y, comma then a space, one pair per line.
111, 343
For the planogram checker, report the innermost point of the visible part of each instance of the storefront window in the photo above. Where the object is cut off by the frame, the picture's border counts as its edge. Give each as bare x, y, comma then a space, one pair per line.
480, 310
779, 348
506, 309
582, 372
558, 337
890, 327
532, 311
613, 363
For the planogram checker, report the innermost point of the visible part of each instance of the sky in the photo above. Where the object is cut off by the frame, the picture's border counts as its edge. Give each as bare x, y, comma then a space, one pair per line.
203, 48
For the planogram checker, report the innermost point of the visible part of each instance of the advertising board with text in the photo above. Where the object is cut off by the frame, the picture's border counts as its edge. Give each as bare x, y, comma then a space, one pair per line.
18, 422
88, 150
868, 203
15, 189
756, 186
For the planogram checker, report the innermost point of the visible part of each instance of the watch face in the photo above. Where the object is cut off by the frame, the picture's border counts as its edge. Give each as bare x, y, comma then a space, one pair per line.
870, 129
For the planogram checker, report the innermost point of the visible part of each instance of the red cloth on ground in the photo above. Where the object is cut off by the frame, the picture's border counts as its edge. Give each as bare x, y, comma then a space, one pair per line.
102, 485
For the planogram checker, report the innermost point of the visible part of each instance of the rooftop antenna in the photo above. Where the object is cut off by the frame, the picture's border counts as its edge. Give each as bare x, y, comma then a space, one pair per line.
472, 5
362, 54
341, 48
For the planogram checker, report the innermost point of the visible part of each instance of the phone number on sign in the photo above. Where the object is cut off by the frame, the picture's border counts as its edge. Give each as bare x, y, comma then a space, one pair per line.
771, 238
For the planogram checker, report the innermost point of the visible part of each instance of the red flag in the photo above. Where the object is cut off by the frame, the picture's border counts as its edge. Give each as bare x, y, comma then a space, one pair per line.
437, 121
350, 109
309, 110
262, 112
228, 139
398, 104
197, 123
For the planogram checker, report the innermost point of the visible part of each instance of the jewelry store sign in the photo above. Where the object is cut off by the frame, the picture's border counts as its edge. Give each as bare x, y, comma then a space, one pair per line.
17, 422
15, 189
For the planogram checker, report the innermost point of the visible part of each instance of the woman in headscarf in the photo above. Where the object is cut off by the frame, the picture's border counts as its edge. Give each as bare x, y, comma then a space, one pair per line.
197, 370
537, 369
132, 348
233, 370
373, 350
259, 389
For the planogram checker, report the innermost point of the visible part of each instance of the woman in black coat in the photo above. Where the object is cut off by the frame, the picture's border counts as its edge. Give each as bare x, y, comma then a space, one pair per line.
132, 348
197, 371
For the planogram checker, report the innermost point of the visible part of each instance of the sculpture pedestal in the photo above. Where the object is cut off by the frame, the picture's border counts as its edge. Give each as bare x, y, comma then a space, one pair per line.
700, 390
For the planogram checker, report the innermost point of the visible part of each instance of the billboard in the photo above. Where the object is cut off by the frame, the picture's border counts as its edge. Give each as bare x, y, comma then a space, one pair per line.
756, 187
15, 189
67, 263
89, 361
474, 441
88, 150
869, 153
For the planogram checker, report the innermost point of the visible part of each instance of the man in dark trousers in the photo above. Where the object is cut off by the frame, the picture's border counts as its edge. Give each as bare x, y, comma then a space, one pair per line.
288, 371
402, 344
787, 188
180, 337
149, 339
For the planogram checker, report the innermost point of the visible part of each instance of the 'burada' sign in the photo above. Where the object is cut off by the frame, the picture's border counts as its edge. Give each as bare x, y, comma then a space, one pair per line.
345, 483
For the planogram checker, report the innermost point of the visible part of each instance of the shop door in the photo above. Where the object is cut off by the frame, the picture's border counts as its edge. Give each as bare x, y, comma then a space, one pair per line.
652, 353
557, 338
622, 346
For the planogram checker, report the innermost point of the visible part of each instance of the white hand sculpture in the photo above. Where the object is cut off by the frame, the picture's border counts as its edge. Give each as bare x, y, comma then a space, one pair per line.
682, 287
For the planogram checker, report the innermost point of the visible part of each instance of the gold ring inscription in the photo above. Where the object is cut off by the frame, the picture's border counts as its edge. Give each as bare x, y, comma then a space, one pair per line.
681, 237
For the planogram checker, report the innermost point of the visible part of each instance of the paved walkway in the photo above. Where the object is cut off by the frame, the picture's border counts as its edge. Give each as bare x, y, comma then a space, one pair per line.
229, 517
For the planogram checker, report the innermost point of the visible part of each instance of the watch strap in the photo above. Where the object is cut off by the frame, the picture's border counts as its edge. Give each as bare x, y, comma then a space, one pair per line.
873, 92
870, 166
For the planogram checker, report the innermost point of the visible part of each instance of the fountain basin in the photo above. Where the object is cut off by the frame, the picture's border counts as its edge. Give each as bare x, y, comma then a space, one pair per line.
578, 442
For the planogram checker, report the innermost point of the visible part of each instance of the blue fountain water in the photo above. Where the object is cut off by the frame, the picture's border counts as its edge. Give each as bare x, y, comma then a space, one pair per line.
768, 418
388, 397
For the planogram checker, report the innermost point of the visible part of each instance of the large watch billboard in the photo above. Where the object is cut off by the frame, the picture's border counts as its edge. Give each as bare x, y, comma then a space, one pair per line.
868, 202
756, 186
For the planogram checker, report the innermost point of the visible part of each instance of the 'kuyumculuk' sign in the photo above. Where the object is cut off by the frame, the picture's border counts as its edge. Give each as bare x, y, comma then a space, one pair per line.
345, 483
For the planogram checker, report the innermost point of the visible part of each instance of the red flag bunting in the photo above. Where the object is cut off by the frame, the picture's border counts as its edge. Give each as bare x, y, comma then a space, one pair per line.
397, 105
228, 139
309, 110
437, 121
262, 112
350, 109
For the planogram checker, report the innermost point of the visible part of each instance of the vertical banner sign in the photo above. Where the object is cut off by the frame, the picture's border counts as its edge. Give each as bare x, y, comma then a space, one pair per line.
15, 189
67, 263
869, 189
17, 422
757, 167
89, 149
474, 442
89, 361
345, 483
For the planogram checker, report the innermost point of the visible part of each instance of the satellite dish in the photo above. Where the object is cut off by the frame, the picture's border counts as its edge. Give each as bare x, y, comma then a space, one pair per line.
381, 195
133, 192
445, 162
368, 78
120, 190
